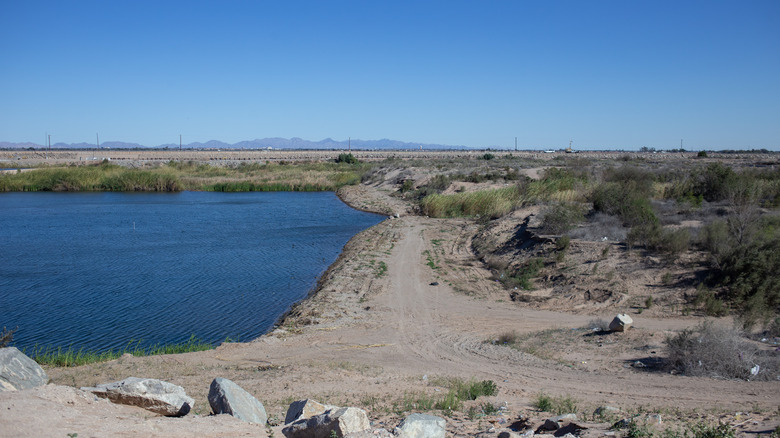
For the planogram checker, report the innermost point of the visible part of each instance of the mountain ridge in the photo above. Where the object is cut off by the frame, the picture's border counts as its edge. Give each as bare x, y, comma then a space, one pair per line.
258, 143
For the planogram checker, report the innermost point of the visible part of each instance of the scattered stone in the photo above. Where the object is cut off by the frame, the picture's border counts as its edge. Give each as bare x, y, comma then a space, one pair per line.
421, 426
654, 419
340, 422
435, 283
151, 394
606, 410
508, 434
565, 418
225, 397
303, 409
555, 423
19, 372
621, 323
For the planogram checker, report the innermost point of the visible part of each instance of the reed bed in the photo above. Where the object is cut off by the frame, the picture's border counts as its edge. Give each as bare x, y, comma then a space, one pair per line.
177, 176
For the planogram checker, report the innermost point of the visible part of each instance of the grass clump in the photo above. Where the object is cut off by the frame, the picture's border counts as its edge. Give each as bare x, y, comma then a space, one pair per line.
555, 404
71, 357
484, 203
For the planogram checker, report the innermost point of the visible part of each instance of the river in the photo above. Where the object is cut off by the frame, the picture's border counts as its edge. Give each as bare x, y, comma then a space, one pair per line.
100, 270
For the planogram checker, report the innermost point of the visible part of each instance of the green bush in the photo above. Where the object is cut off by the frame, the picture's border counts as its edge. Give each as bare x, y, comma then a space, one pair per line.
347, 158
714, 182
749, 269
624, 200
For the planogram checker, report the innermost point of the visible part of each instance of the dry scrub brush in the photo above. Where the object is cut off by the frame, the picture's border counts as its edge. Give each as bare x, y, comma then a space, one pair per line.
719, 352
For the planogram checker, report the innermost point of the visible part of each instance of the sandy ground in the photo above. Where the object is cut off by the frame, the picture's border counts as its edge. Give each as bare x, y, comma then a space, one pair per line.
374, 337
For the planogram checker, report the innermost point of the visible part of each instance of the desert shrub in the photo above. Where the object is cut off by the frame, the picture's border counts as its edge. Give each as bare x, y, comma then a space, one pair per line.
522, 275
487, 156
407, 186
641, 179
561, 217
669, 242
562, 243
346, 158
673, 242
748, 269
625, 200
507, 338
702, 154
707, 350
714, 182
703, 430
709, 302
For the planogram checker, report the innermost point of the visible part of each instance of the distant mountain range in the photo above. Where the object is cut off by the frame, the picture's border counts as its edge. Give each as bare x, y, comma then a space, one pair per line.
260, 143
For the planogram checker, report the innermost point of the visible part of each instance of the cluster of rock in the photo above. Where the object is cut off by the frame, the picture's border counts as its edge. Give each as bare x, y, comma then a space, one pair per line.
304, 419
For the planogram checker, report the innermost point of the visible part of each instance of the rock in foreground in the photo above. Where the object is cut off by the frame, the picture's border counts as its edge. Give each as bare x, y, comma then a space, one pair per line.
18, 372
335, 422
422, 426
154, 395
225, 397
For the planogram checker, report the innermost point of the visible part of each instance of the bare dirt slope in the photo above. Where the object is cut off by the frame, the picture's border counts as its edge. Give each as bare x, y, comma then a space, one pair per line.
405, 308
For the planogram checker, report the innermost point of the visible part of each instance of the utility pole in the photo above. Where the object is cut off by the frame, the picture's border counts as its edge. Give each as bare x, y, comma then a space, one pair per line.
98, 140
681, 148
349, 144
49, 135
515, 144
179, 141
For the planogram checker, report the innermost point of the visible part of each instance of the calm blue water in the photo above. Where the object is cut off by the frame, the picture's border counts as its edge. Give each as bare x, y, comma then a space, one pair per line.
101, 269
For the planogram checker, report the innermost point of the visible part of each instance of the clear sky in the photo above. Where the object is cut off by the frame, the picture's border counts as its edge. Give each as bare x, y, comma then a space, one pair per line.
605, 74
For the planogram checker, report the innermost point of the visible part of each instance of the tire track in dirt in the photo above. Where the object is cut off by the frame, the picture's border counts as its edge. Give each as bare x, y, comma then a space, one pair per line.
437, 331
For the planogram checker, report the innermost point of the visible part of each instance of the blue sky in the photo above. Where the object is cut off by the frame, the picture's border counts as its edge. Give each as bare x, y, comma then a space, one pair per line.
605, 74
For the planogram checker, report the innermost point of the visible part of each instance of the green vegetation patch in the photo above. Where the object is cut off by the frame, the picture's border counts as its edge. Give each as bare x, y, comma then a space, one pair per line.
70, 357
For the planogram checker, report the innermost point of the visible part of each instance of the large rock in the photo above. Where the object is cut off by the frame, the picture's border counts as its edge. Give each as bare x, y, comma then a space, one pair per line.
225, 397
306, 408
334, 422
621, 323
17, 371
151, 394
421, 426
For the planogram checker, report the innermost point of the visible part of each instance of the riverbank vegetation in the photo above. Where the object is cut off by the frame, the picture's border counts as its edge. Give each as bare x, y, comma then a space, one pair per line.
177, 176
72, 357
